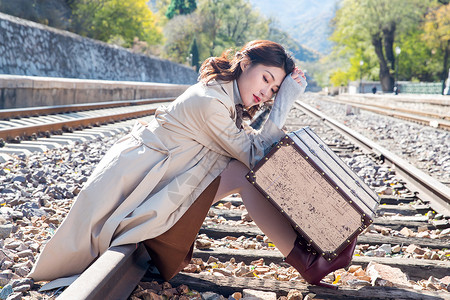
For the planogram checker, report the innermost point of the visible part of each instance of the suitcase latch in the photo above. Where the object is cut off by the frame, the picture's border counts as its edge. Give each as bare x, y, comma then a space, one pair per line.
312, 151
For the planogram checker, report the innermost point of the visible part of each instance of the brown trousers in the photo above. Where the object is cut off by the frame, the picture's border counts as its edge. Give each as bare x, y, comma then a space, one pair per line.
172, 251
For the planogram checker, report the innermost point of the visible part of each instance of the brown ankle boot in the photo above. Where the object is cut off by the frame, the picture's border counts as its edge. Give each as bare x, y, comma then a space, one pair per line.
313, 267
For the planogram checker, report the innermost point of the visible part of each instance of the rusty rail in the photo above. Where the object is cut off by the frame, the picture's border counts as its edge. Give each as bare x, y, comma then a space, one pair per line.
6, 114
426, 118
16, 133
113, 276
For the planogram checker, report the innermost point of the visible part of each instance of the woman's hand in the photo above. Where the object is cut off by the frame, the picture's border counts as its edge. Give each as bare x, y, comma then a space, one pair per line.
289, 91
297, 75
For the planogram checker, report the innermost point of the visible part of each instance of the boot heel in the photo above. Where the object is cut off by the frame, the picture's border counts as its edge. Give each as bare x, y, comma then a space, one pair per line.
314, 267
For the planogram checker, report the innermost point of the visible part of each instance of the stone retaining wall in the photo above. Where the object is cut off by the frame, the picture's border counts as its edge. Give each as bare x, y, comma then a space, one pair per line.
28, 48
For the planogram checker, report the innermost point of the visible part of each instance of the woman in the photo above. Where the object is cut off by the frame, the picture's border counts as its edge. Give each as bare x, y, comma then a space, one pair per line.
197, 148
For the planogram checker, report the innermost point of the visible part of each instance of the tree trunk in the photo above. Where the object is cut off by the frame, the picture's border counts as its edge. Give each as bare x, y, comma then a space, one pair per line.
214, 28
388, 39
386, 79
445, 71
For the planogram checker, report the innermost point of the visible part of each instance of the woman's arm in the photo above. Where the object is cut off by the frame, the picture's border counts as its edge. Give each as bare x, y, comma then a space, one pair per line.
293, 85
225, 138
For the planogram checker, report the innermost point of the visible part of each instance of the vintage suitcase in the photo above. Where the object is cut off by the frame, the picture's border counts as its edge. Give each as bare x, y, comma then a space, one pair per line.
326, 202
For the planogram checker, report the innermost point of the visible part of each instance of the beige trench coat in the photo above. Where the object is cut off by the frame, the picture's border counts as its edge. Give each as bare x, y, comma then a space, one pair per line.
150, 177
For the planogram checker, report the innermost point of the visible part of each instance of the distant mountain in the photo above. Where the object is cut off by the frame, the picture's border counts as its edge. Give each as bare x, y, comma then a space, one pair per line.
299, 51
307, 21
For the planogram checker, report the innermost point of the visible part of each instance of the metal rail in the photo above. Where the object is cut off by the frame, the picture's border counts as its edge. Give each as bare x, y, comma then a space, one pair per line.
6, 114
114, 275
426, 118
16, 133
438, 100
430, 190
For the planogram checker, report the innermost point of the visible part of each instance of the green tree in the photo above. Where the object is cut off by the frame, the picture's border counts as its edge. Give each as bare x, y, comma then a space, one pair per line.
437, 35
339, 78
180, 7
217, 25
160, 9
179, 33
108, 19
193, 51
53, 13
230, 23
363, 24
83, 16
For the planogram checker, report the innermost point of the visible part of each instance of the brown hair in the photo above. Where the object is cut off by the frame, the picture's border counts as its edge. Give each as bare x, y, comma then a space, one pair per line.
227, 67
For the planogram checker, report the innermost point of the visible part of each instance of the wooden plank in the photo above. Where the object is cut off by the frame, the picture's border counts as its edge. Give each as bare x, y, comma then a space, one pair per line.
228, 214
441, 224
404, 210
223, 230
398, 225
378, 239
236, 201
394, 224
416, 269
371, 239
228, 285
386, 199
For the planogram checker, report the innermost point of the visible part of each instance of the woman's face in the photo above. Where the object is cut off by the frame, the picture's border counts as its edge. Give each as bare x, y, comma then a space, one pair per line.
258, 83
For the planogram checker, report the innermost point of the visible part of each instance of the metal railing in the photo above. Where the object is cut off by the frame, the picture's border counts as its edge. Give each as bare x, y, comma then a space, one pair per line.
421, 88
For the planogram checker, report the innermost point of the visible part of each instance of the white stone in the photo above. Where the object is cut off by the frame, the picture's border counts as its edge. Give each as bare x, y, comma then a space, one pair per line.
445, 231
384, 275
260, 295
386, 248
396, 249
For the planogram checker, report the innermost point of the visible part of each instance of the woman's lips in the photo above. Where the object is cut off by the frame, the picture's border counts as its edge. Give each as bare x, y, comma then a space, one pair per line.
257, 99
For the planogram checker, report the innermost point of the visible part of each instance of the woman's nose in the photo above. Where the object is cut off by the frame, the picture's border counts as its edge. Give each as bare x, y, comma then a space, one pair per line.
265, 91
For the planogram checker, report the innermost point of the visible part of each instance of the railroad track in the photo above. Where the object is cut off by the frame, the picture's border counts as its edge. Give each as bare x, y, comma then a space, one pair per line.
416, 203
31, 123
26, 130
430, 190
437, 120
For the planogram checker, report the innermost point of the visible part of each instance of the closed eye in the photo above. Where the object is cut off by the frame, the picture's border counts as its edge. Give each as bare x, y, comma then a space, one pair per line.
265, 79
